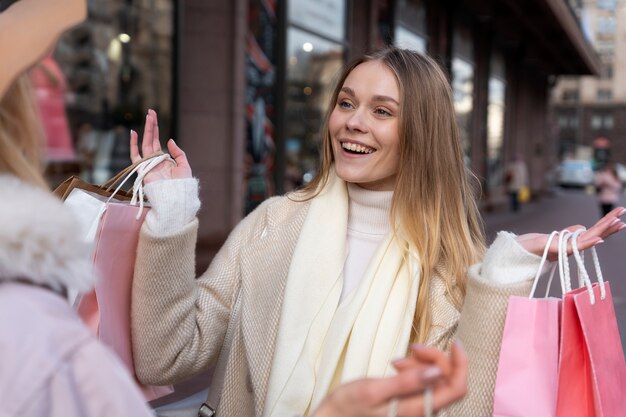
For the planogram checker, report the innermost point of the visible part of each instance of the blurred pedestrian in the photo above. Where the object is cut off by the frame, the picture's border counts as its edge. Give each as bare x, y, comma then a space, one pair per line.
516, 180
608, 187
51, 364
333, 282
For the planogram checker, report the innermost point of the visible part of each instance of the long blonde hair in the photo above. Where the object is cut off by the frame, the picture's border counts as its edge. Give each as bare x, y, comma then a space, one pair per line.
21, 134
434, 202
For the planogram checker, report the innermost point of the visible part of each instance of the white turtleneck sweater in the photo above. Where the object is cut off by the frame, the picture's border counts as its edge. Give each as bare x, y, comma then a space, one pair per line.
368, 224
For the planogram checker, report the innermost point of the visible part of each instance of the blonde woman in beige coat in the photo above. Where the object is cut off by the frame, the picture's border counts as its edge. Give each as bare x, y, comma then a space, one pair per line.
384, 248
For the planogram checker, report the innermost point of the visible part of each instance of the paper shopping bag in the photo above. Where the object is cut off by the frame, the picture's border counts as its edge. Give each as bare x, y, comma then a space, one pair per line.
112, 228
526, 382
592, 371
527, 376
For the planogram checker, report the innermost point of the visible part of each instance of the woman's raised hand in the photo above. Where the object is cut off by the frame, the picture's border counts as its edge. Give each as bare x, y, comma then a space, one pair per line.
605, 227
150, 144
445, 375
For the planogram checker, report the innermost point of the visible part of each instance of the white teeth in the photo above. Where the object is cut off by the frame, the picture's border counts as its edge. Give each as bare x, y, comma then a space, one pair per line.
356, 148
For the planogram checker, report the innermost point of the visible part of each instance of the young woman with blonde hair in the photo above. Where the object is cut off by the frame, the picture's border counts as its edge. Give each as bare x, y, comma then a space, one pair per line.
336, 281
52, 365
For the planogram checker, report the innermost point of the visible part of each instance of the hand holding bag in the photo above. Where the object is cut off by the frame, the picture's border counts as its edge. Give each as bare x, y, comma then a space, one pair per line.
112, 227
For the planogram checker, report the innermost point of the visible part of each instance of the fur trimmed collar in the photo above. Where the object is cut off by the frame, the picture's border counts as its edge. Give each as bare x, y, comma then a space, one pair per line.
39, 239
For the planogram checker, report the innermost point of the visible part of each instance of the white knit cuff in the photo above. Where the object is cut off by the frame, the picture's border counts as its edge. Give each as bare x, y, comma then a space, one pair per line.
507, 262
174, 204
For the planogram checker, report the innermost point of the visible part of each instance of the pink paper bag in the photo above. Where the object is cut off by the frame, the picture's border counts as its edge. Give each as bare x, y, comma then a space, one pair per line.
592, 371
106, 310
526, 381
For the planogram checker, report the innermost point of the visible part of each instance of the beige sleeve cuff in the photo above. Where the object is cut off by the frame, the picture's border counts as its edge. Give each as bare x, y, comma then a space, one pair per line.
174, 203
507, 262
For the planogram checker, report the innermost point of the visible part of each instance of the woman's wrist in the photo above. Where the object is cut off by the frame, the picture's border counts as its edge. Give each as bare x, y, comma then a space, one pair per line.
174, 203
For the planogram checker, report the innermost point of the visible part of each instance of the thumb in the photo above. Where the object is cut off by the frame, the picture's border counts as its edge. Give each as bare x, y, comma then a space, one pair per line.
178, 154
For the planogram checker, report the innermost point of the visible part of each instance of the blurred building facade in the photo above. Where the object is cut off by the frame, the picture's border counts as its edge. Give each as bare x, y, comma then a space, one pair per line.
244, 84
591, 107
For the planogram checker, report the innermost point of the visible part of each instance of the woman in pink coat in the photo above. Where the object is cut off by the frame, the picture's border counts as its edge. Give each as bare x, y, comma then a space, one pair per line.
50, 363
609, 187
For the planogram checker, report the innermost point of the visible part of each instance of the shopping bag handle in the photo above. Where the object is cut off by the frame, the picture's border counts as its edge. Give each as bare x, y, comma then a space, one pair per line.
583, 271
108, 186
544, 257
142, 168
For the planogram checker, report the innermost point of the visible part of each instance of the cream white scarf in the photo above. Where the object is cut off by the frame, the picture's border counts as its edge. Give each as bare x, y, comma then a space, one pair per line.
322, 343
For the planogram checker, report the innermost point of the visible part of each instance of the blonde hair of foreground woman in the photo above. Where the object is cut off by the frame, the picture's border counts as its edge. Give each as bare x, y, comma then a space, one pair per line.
21, 134
434, 203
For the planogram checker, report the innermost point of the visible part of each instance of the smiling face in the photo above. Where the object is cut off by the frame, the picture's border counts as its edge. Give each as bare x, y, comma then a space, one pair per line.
363, 127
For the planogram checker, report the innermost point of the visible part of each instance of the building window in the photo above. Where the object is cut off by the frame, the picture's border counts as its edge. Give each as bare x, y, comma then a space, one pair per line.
495, 120
606, 71
260, 103
607, 4
410, 30
596, 122
570, 95
463, 83
563, 121
573, 121
608, 122
315, 55
604, 94
99, 83
605, 24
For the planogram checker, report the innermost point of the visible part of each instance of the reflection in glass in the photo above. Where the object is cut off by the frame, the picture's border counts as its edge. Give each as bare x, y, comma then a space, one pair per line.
313, 64
410, 27
463, 92
404, 38
117, 65
495, 131
326, 17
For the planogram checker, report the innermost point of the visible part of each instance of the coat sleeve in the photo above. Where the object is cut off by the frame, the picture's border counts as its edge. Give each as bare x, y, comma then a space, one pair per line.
507, 270
178, 322
91, 382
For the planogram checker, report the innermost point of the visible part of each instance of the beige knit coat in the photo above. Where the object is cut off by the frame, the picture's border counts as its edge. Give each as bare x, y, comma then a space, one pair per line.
179, 322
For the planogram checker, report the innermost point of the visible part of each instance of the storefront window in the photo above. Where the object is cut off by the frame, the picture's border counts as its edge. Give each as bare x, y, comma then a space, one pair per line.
314, 60
495, 121
99, 83
261, 68
463, 85
410, 30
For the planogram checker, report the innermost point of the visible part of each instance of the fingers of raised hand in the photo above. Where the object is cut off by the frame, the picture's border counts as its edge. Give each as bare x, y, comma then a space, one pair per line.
134, 147
156, 144
147, 147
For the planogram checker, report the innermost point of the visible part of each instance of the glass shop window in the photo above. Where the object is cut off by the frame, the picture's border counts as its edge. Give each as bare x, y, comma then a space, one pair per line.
316, 44
99, 82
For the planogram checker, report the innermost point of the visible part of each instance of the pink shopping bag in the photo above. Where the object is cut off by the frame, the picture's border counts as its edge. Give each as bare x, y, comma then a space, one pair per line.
592, 371
106, 310
527, 376
526, 382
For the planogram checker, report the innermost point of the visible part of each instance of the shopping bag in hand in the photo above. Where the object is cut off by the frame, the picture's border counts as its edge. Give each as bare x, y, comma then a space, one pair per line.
526, 380
592, 371
111, 226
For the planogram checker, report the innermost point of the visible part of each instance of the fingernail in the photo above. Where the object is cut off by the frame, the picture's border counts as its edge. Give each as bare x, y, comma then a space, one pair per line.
622, 226
614, 222
622, 212
132, 131
430, 373
394, 362
601, 241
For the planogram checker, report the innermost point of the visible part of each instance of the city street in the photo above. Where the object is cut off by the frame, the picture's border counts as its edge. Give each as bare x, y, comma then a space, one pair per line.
568, 207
